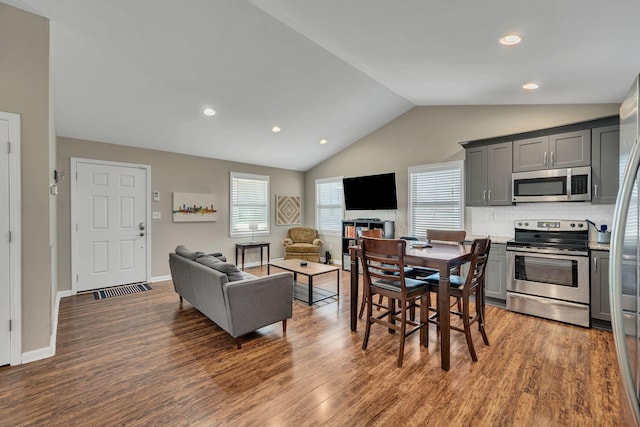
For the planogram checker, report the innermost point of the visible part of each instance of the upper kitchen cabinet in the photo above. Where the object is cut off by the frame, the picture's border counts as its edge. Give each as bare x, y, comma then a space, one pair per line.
488, 175
605, 147
564, 150
489, 162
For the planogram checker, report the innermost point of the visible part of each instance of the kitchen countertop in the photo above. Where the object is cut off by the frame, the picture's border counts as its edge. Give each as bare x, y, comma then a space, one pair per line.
599, 246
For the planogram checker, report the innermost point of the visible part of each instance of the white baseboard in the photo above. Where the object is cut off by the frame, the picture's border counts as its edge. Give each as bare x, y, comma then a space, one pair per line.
160, 278
35, 355
46, 352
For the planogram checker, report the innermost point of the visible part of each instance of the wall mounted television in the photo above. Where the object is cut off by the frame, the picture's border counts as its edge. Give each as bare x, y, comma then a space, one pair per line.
372, 192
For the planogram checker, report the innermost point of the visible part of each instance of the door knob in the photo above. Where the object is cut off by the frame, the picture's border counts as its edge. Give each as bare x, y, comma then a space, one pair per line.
141, 234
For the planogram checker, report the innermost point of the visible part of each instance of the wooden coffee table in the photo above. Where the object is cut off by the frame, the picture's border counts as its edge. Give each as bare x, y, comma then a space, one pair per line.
301, 291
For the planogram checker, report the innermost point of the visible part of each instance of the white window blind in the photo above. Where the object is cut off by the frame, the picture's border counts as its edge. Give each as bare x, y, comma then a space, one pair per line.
329, 206
436, 198
249, 202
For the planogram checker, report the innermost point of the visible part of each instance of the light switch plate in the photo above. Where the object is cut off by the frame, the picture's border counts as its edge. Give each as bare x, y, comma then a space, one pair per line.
156, 196
156, 215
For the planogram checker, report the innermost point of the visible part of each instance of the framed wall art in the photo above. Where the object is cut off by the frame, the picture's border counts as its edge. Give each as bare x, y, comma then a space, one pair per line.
194, 207
288, 210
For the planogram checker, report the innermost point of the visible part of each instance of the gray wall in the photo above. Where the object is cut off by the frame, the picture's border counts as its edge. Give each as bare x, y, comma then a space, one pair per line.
426, 135
24, 90
181, 173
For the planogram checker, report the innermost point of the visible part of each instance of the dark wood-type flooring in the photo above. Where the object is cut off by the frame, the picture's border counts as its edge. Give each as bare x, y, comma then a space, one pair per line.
142, 360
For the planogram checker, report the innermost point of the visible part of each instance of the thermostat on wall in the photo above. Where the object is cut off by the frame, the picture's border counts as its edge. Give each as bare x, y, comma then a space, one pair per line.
156, 196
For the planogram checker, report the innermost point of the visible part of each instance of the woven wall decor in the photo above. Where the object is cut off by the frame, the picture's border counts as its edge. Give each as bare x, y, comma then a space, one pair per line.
288, 210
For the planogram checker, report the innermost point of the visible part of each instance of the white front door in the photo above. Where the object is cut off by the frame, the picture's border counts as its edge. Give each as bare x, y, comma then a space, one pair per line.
5, 283
110, 216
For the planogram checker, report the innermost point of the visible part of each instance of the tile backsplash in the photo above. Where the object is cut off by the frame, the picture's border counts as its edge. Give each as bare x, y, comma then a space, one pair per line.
498, 221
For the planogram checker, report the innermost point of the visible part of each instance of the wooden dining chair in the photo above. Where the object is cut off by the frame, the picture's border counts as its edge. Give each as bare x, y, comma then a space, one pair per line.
377, 233
383, 273
440, 236
463, 288
452, 236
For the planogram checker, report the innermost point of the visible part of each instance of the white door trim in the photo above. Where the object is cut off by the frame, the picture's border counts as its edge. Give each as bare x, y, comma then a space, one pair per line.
15, 248
74, 212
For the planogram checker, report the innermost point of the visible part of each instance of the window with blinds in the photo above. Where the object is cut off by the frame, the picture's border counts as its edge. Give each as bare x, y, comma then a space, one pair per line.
249, 210
436, 198
329, 206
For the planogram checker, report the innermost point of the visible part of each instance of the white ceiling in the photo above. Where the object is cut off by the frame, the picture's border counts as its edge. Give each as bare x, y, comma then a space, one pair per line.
139, 72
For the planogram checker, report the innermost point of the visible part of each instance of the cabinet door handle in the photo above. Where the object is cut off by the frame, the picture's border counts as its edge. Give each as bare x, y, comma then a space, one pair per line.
545, 159
595, 191
552, 161
489, 195
595, 264
484, 195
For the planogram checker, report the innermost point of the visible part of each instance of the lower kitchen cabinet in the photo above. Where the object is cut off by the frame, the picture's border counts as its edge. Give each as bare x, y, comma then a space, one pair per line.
495, 280
600, 308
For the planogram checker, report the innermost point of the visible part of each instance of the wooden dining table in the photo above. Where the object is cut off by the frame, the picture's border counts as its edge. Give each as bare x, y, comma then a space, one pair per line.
440, 256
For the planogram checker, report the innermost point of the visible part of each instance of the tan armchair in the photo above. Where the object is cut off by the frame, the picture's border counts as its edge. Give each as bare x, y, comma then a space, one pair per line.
302, 243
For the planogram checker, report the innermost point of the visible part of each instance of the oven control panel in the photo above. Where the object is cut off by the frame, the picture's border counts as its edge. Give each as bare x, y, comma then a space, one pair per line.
551, 225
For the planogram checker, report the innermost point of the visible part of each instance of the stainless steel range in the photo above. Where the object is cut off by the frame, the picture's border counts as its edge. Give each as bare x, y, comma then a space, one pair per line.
548, 270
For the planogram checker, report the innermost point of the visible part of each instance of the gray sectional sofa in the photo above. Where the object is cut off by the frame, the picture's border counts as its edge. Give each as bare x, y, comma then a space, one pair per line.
236, 301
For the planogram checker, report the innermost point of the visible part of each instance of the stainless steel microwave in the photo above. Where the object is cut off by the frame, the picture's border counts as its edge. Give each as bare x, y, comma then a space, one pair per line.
552, 185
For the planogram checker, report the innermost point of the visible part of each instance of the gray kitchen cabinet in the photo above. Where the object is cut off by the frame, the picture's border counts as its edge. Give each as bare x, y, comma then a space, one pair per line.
475, 164
605, 148
530, 154
495, 280
600, 308
488, 175
564, 150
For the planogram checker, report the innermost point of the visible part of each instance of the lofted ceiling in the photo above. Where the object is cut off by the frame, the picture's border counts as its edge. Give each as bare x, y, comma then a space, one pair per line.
140, 72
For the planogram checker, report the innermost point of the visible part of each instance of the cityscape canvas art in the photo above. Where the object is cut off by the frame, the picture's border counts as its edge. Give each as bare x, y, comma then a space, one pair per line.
194, 207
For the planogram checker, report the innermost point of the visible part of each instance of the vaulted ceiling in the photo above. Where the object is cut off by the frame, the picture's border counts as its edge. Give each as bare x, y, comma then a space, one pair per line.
140, 72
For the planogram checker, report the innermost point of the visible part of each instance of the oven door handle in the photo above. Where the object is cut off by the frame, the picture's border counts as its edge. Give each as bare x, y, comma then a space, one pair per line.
620, 215
547, 252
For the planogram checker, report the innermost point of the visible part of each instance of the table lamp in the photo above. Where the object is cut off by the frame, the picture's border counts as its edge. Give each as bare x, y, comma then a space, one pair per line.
253, 226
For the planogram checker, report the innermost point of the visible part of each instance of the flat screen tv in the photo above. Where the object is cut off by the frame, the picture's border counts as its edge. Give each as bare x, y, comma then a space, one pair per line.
370, 192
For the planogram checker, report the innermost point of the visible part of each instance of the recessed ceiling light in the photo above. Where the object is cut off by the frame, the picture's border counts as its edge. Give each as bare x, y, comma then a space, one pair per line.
530, 86
208, 111
510, 39
275, 129
323, 141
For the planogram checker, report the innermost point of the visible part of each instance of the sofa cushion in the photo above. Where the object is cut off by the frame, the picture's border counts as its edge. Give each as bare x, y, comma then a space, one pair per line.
303, 234
208, 260
303, 248
219, 256
231, 270
188, 253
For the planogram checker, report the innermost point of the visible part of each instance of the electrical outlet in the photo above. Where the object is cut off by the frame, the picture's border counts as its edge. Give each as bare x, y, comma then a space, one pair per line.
156, 215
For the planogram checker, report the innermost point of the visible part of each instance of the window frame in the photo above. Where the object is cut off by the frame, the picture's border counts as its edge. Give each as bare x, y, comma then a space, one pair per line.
262, 231
456, 164
329, 232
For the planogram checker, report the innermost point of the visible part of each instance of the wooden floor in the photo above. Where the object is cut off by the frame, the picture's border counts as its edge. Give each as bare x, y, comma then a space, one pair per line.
144, 360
